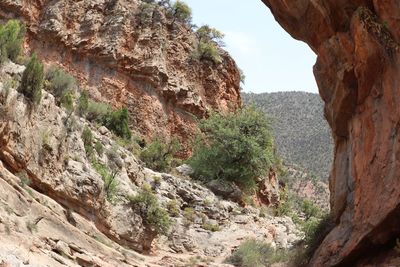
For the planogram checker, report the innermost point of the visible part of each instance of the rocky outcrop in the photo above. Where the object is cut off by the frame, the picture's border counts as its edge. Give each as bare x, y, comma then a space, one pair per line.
357, 73
131, 55
55, 209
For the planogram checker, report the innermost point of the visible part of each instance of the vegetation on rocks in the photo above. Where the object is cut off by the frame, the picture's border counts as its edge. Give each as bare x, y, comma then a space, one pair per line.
236, 147
255, 253
303, 137
11, 38
151, 212
158, 155
59, 83
32, 80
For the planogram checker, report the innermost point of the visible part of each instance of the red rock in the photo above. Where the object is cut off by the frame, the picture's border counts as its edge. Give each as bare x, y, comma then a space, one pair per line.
358, 78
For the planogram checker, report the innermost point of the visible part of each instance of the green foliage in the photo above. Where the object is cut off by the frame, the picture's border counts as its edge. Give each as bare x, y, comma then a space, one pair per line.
315, 232
97, 111
11, 38
235, 147
83, 103
67, 101
182, 12
210, 227
159, 154
109, 179
303, 136
87, 138
151, 212
189, 214
254, 253
209, 41
173, 208
310, 209
59, 83
99, 148
208, 34
118, 122
32, 80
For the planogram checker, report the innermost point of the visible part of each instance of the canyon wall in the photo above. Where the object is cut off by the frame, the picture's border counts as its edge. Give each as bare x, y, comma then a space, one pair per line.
129, 54
358, 78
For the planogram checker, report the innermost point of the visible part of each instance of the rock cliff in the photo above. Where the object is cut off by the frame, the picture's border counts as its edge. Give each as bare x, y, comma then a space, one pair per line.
131, 55
357, 73
57, 209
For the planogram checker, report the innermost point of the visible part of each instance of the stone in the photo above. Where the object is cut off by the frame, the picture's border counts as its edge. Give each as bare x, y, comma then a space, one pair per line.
357, 44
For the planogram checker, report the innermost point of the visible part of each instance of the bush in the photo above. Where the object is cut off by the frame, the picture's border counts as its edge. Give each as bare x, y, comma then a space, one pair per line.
97, 111
209, 41
310, 209
118, 122
32, 80
151, 212
315, 232
182, 12
87, 138
236, 147
254, 253
109, 179
83, 103
159, 154
59, 82
11, 38
208, 51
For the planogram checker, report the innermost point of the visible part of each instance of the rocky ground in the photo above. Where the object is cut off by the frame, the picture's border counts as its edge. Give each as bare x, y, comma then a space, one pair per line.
54, 209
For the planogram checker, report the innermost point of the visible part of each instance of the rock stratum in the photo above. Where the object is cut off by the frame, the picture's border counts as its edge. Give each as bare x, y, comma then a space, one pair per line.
130, 57
357, 43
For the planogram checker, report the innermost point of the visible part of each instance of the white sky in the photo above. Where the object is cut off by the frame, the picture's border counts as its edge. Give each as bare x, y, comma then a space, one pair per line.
270, 58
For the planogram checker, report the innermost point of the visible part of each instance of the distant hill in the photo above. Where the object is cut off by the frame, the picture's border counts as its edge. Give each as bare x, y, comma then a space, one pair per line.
301, 132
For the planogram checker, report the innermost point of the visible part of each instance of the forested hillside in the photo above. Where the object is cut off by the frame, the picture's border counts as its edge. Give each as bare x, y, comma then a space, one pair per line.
302, 134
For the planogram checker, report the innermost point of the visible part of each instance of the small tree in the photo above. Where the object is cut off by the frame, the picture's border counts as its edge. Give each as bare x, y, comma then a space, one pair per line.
182, 12
118, 122
83, 103
159, 154
236, 147
208, 34
11, 38
59, 83
32, 80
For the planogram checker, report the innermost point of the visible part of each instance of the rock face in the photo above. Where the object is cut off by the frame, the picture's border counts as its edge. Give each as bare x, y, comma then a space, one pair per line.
55, 209
130, 55
358, 77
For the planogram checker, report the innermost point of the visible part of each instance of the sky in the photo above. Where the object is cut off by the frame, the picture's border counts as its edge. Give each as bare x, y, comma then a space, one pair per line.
269, 57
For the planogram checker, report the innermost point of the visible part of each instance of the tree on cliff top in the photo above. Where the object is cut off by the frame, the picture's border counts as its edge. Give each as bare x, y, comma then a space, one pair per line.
182, 12
237, 147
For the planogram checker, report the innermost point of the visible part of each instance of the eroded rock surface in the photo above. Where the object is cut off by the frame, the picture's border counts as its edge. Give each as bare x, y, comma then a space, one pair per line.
127, 57
54, 209
357, 74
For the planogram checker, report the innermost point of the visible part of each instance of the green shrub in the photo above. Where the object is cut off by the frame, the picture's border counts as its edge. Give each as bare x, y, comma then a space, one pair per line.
99, 148
67, 101
182, 12
208, 34
254, 253
189, 214
83, 103
59, 83
315, 232
11, 38
310, 209
208, 51
235, 147
97, 111
159, 154
32, 80
151, 212
173, 208
109, 179
87, 138
210, 227
118, 122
